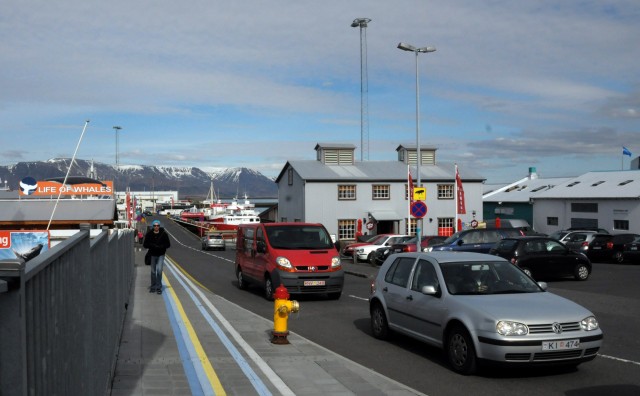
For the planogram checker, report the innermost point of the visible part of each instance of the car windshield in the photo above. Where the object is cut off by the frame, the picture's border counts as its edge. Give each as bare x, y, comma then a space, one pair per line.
486, 277
452, 238
299, 237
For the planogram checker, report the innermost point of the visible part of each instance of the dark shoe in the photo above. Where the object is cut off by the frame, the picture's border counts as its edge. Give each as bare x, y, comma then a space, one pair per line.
159, 291
152, 290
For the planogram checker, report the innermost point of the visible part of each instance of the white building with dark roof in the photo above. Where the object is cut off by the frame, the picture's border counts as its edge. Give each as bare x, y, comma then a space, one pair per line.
344, 194
607, 199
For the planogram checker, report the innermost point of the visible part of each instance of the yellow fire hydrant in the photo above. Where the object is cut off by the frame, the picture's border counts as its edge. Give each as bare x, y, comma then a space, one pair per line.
282, 307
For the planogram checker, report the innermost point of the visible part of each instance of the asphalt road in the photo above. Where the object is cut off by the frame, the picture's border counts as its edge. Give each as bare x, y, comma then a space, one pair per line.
612, 293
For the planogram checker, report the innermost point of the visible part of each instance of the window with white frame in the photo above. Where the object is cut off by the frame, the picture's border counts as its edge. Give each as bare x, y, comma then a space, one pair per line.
380, 191
445, 191
412, 226
445, 225
346, 192
346, 229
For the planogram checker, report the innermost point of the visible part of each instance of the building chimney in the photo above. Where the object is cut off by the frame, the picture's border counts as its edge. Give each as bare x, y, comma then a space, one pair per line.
532, 173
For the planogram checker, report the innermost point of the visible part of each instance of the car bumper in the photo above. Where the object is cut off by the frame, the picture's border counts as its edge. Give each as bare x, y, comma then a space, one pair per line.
530, 351
310, 282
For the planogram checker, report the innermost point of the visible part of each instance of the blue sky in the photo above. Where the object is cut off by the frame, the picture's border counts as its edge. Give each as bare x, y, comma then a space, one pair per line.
550, 84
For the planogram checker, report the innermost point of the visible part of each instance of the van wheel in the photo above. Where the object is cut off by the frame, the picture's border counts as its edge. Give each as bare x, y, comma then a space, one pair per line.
242, 284
268, 288
334, 296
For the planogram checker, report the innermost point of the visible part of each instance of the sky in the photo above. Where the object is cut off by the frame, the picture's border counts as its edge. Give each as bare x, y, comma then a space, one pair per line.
553, 85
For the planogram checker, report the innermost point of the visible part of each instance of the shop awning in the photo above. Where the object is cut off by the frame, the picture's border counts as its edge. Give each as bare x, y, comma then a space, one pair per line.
385, 215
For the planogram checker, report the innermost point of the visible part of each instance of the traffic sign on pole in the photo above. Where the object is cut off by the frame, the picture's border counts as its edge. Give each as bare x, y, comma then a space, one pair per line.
418, 209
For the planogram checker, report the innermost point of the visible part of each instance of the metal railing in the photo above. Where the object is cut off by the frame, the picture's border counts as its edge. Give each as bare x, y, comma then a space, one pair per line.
62, 313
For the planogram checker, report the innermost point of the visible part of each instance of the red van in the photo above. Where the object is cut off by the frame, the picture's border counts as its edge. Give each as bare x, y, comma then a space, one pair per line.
301, 256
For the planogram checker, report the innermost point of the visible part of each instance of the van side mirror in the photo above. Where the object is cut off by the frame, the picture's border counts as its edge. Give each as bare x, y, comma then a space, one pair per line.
460, 242
261, 247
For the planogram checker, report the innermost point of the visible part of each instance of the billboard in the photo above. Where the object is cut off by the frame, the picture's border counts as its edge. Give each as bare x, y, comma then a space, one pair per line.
23, 245
30, 186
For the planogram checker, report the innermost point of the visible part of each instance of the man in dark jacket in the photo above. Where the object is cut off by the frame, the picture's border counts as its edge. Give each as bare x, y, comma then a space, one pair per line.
157, 241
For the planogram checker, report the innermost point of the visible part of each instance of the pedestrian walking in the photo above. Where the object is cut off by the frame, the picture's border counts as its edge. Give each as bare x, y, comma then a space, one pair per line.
157, 241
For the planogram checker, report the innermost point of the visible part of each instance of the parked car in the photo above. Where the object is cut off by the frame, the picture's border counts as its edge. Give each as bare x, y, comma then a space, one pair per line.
478, 240
609, 248
562, 234
382, 253
410, 244
479, 307
539, 257
631, 251
367, 252
213, 241
349, 249
578, 240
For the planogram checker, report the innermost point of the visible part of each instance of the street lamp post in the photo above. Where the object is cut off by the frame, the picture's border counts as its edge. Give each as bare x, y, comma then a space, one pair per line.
411, 48
364, 88
117, 129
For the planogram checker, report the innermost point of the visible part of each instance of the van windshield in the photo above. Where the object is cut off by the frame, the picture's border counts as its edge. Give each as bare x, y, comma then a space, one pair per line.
299, 237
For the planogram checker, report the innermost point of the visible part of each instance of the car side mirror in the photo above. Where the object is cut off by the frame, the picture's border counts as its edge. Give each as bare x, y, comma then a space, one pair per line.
261, 247
460, 242
543, 285
429, 290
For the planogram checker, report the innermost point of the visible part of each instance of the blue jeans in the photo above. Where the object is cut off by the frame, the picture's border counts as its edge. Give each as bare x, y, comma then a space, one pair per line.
156, 272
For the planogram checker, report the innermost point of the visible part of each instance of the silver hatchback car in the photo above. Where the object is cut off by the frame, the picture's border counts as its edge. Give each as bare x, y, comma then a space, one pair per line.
213, 241
479, 307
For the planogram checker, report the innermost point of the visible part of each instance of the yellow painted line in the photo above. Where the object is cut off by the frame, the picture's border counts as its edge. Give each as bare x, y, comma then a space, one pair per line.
216, 385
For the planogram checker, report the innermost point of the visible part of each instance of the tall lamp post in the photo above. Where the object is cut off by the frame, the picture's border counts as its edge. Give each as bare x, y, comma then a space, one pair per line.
117, 129
362, 23
411, 48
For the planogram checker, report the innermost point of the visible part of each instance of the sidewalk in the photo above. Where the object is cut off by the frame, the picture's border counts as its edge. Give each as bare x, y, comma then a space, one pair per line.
189, 341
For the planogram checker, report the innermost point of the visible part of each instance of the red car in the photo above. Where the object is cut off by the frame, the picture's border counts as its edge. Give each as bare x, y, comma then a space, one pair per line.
410, 245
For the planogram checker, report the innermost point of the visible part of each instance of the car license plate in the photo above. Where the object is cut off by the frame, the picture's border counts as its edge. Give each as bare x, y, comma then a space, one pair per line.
314, 283
634, 248
596, 248
560, 345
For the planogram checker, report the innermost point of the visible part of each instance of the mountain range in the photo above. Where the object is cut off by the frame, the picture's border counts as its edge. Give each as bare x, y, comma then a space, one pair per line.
190, 182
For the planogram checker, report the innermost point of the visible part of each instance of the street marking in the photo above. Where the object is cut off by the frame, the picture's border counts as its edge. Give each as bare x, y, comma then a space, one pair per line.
619, 359
197, 356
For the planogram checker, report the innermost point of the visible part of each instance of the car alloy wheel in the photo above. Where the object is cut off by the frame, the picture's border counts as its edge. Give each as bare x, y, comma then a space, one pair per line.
618, 257
581, 272
460, 351
379, 324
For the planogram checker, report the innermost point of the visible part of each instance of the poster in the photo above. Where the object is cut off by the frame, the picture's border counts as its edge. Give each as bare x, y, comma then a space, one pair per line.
23, 245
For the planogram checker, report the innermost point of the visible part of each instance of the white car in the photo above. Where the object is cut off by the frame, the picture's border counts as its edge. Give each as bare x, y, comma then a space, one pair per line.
368, 252
213, 241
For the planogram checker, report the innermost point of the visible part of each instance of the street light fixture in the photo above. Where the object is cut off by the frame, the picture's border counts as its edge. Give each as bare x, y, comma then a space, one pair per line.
411, 48
364, 88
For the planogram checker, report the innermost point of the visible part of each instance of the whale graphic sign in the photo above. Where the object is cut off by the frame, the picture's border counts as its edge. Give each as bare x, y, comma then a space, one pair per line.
23, 245
29, 186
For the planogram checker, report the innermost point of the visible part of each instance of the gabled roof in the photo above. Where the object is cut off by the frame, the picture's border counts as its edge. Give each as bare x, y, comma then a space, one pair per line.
592, 185
524, 189
376, 170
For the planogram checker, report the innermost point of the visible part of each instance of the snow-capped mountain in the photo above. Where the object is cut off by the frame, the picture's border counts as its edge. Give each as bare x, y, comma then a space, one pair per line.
191, 182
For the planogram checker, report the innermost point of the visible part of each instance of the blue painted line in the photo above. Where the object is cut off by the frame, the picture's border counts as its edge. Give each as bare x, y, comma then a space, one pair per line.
255, 380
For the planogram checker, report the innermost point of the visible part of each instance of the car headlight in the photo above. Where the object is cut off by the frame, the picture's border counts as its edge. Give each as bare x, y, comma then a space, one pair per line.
359, 251
284, 263
590, 323
508, 328
335, 262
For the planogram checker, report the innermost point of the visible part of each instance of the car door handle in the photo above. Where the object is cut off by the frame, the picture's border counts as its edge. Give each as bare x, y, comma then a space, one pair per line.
410, 297
384, 289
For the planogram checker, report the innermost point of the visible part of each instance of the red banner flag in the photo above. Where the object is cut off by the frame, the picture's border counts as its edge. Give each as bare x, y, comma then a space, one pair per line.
461, 207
